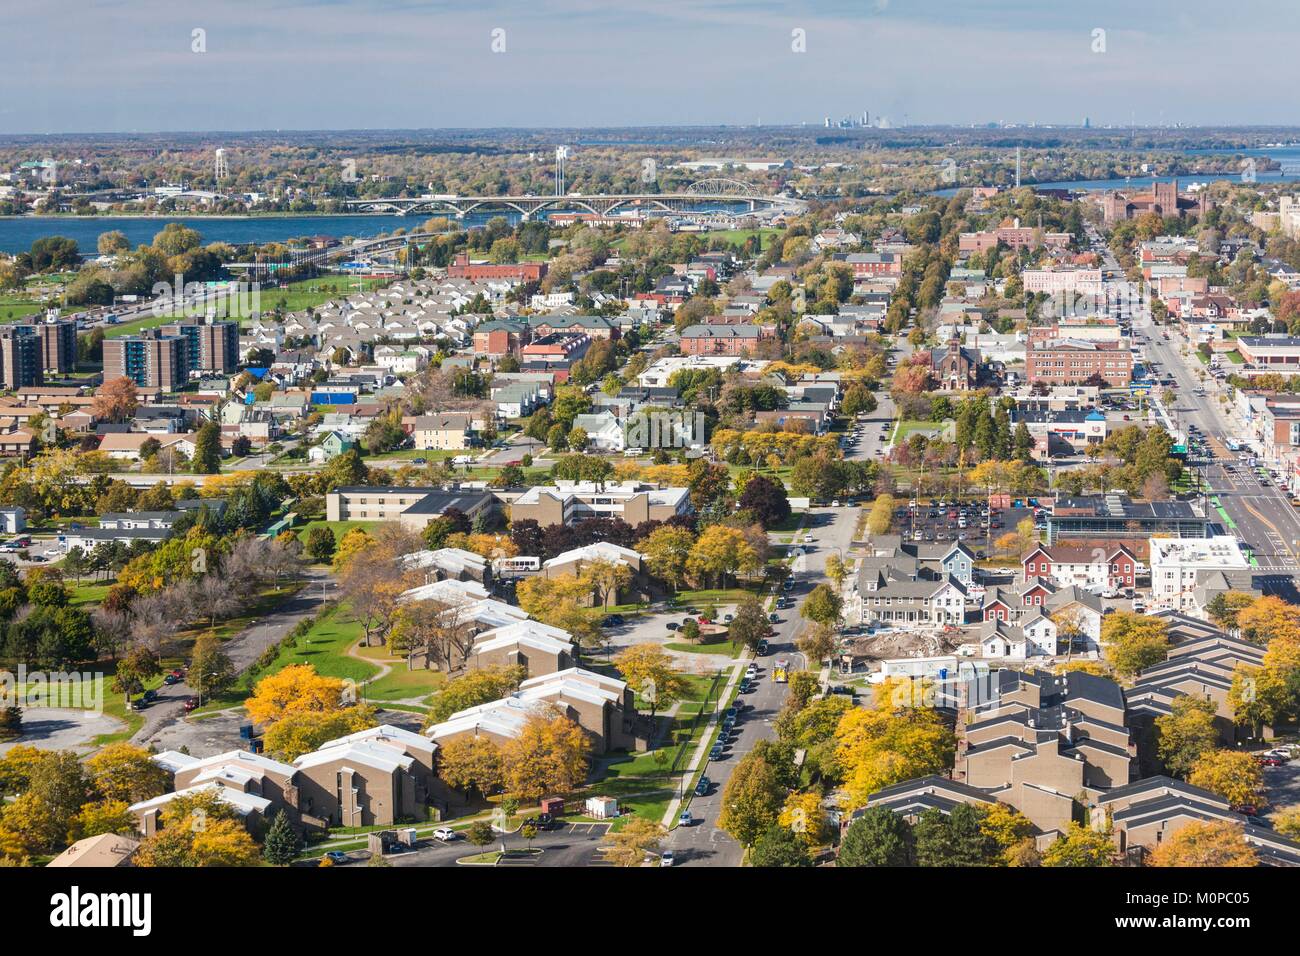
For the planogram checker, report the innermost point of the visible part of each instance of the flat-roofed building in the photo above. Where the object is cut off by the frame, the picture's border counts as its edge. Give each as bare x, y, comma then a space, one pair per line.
413, 507
1178, 564
567, 502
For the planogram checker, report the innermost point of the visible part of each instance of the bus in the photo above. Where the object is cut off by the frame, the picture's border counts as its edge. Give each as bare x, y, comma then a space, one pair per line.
780, 670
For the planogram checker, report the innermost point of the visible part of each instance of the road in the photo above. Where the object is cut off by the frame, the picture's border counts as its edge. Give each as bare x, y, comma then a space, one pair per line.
1262, 517
702, 843
242, 650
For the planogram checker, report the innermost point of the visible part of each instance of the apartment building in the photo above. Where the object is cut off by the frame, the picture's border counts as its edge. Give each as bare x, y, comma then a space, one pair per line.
210, 346
716, 339
1073, 361
567, 502
57, 341
413, 507
523, 272
1013, 235
1180, 565
150, 359
21, 359
448, 431
1057, 281
1084, 567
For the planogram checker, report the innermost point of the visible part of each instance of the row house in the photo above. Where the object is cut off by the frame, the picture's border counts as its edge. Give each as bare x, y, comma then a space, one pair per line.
1063, 566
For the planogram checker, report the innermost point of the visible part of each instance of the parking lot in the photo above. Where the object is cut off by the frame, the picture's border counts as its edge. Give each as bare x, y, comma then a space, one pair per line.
965, 522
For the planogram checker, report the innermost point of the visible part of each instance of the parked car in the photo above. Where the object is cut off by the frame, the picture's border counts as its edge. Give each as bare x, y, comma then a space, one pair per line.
684, 818
445, 834
171, 679
666, 858
1267, 760
191, 703
337, 857
702, 788
716, 752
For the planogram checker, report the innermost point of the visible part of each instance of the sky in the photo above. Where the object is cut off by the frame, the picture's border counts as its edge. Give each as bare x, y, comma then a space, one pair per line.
172, 65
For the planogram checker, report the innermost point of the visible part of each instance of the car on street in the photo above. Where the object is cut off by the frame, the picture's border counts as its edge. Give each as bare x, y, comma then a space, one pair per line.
666, 858
702, 788
337, 857
751, 672
191, 704
684, 818
1267, 760
773, 619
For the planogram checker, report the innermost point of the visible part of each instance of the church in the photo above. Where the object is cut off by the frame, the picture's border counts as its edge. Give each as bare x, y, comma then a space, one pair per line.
955, 369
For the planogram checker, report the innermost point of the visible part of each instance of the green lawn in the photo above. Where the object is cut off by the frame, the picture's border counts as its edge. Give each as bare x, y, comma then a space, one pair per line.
83, 594
340, 528
324, 647
401, 683
729, 648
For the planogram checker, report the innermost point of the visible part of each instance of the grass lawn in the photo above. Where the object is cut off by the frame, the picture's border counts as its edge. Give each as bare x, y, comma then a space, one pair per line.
324, 647
340, 528
715, 596
400, 684
14, 310
83, 594
729, 648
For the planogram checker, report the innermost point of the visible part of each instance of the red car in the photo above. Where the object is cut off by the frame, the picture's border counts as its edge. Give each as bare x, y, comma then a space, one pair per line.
1267, 761
191, 703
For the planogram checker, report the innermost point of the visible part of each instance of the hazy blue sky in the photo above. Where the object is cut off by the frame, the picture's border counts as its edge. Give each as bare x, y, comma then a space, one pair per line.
120, 65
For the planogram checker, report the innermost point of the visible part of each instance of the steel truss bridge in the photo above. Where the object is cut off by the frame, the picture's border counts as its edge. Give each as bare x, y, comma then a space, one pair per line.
703, 193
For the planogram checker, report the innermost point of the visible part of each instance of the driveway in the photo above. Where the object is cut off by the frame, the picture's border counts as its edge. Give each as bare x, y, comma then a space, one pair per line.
652, 628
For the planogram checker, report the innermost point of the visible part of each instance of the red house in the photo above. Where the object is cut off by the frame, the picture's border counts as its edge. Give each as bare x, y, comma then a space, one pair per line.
1113, 567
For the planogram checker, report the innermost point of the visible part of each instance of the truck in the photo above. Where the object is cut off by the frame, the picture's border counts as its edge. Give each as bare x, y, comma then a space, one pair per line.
781, 670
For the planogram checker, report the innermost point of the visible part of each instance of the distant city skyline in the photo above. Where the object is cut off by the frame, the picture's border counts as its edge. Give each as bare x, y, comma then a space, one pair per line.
130, 65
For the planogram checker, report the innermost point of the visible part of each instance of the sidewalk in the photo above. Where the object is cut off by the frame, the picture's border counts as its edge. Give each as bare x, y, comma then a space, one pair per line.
706, 739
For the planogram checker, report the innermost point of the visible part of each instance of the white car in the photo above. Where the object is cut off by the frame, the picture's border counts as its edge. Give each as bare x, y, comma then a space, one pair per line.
751, 672
445, 834
666, 859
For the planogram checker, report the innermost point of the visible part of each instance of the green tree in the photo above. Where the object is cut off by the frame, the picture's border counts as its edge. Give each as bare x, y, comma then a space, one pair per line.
207, 449
210, 670
319, 544
282, 844
752, 799
779, 846
823, 605
878, 837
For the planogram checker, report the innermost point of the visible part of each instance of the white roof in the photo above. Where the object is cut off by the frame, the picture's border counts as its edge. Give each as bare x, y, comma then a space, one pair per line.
447, 592
490, 612
504, 718
600, 550
244, 803
384, 732
449, 559
367, 753
509, 636
174, 761
575, 683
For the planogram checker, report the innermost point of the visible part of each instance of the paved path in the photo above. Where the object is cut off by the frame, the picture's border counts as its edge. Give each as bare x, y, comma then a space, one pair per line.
243, 649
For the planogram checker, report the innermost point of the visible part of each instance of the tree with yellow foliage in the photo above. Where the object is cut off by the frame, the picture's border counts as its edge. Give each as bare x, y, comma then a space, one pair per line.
127, 773
295, 689
632, 843
895, 739
1081, 846
105, 816
1233, 775
1205, 843
301, 732
648, 670
804, 815
549, 756
562, 602
198, 830
1268, 619
719, 552
1287, 821
1008, 828
1134, 641
471, 763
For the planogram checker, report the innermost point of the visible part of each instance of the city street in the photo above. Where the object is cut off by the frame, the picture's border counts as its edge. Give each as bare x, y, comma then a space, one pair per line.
1262, 516
702, 843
